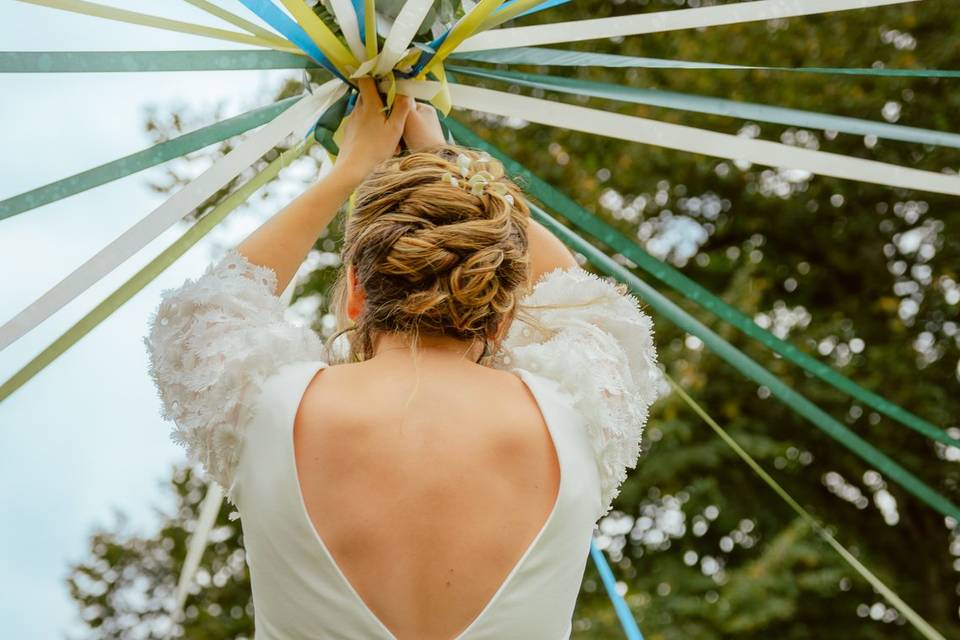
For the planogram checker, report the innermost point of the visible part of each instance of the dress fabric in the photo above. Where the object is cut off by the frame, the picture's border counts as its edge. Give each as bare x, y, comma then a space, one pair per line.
231, 372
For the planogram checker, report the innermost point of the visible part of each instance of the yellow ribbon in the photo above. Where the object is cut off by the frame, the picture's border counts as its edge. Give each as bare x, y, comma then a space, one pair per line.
441, 100
132, 17
466, 27
329, 44
508, 13
370, 28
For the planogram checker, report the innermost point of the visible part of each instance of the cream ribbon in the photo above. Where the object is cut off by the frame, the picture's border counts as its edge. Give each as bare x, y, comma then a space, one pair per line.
693, 140
659, 21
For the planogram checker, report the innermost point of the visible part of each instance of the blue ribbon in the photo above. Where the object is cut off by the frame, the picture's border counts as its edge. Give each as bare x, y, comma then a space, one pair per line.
273, 16
360, 8
627, 621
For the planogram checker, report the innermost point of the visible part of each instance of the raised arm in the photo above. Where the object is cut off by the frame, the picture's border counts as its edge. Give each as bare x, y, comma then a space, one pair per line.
214, 340
283, 241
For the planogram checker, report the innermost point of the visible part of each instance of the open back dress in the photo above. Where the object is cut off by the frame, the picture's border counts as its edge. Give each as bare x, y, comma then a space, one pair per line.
231, 372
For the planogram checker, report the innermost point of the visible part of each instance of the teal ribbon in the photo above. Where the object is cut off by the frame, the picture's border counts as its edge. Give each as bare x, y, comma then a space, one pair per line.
726, 351
144, 159
239, 59
717, 106
559, 57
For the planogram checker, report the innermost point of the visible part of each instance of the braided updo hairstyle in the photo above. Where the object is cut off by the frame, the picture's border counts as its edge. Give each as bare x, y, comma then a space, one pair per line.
433, 256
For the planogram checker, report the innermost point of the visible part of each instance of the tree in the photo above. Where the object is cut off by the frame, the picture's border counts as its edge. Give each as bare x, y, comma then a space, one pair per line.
862, 276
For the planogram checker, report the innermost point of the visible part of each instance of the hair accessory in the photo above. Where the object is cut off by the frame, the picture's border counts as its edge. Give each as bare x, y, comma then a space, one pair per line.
479, 181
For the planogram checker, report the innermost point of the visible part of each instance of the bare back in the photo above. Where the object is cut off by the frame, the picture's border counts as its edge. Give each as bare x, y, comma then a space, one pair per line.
425, 501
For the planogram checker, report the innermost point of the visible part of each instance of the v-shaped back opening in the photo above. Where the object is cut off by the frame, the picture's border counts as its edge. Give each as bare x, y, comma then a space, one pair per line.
347, 585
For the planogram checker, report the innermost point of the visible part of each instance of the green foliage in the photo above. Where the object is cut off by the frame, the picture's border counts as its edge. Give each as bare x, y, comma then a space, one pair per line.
862, 276
125, 589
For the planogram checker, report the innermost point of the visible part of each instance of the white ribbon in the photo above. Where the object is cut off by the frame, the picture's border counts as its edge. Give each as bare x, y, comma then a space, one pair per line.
659, 21
166, 215
347, 19
195, 548
693, 140
401, 34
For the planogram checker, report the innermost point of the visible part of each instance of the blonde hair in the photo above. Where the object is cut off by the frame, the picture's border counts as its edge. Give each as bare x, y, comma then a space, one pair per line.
432, 256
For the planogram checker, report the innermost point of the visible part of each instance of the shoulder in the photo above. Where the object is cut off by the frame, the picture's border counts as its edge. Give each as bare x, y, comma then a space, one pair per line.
212, 342
594, 341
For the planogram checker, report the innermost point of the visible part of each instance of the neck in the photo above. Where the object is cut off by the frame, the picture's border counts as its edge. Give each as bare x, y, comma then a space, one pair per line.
398, 344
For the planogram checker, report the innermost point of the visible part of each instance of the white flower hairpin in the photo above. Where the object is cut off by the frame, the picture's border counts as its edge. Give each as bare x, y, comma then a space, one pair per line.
479, 181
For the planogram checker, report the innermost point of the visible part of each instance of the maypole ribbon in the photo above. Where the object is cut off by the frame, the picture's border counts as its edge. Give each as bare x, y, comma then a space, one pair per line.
132, 17
537, 56
694, 140
717, 106
321, 35
150, 157
722, 348
349, 23
369, 24
244, 59
627, 622
237, 21
463, 29
753, 370
273, 16
166, 215
401, 34
661, 21
922, 626
589, 223
148, 273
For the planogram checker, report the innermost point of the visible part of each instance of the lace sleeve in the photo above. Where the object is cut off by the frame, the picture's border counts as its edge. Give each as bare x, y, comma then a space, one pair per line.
597, 344
211, 343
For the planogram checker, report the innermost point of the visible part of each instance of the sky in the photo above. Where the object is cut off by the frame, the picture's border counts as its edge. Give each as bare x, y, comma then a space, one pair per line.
84, 439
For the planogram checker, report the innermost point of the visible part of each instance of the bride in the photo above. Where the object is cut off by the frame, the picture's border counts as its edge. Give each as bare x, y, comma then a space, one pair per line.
442, 476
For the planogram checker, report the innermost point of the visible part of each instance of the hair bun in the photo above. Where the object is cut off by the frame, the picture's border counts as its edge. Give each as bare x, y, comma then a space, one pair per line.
432, 256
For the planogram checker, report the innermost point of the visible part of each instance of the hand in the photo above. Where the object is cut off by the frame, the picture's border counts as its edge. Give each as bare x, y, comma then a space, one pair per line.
422, 128
370, 137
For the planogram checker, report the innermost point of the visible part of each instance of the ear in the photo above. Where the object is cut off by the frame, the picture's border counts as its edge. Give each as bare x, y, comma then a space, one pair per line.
356, 297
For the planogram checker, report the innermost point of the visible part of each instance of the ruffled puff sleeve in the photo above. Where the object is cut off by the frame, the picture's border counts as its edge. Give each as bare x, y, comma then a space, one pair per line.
211, 344
594, 340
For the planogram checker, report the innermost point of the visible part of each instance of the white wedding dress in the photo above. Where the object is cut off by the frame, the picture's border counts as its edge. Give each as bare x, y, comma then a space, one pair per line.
231, 373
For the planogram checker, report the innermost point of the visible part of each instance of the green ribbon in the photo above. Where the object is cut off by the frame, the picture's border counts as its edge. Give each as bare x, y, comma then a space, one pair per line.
144, 159
718, 106
139, 61
147, 274
329, 122
626, 247
733, 356
558, 57
921, 625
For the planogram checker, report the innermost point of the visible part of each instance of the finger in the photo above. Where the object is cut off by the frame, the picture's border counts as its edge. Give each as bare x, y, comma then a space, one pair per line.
402, 107
369, 93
